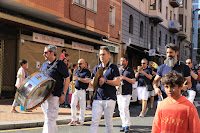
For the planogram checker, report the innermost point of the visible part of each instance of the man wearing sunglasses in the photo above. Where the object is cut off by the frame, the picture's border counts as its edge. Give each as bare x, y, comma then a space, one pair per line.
59, 73
194, 76
144, 76
171, 64
82, 79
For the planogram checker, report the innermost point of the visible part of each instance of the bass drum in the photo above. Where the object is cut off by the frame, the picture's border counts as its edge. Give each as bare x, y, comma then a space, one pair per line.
34, 90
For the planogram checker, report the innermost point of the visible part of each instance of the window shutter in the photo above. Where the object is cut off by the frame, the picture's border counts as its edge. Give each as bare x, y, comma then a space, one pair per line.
95, 5
82, 2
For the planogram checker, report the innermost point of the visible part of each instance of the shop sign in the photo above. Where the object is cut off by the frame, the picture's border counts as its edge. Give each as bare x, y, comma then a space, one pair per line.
47, 39
152, 52
84, 47
112, 48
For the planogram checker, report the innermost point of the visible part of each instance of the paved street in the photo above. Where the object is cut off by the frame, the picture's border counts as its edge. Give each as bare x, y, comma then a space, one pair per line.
139, 125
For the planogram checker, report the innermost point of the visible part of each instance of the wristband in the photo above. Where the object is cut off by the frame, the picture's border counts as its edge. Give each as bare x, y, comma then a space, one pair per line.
79, 79
64, 93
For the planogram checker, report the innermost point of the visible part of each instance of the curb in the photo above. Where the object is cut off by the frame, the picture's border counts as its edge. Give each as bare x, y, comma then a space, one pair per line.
40, 122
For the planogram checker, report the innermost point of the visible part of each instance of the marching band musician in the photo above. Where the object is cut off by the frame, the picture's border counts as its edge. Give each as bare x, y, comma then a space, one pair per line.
194, 76
105, 96
127, 77
82, 79
59, 72
171, 63
144, 76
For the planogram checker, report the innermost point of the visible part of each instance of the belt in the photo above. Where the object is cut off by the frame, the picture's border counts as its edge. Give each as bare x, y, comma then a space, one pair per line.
80, 89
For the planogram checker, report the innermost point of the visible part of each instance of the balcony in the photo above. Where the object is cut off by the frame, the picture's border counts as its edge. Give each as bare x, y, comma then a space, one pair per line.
174, 26
181, 35
174, 3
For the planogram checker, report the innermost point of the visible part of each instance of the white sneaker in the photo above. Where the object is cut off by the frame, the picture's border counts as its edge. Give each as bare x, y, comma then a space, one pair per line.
143, 114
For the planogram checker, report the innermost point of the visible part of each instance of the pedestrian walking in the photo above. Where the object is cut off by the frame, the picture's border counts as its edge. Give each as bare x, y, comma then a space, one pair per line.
175, 114
144, 76
171, 63
82, 79
21, 76
194, 77
59, 72
127, 78
105, 96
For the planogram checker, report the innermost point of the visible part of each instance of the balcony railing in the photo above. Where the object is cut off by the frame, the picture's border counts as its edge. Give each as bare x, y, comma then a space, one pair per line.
174, 26
174, 3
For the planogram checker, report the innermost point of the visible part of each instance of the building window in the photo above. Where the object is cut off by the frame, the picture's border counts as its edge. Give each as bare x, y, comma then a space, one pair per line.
170, 15
131, 24
80, 2
174, 16
166, 39
153, 5
174, 41
166, 12
92, 4
170, 40
112, 15
181, 21
185, 4
141, 29
181, 3
160, 38
151, 39
160, 5
185, 23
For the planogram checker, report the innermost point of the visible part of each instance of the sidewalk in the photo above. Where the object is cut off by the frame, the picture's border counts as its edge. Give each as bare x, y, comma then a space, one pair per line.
30, 119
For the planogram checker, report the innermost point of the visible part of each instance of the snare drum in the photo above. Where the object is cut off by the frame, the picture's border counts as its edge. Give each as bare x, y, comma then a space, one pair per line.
34, 90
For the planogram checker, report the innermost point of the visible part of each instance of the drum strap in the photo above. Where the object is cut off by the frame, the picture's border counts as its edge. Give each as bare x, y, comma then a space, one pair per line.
55, 63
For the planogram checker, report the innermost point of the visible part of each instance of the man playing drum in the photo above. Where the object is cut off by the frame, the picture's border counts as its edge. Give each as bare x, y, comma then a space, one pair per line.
82, 79
105, 97
59, 73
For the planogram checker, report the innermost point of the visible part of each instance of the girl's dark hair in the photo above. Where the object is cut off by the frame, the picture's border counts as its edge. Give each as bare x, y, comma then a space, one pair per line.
172, 78
22, 61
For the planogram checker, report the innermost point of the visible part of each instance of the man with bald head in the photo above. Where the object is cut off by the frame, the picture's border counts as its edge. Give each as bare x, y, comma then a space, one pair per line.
82, 78
194, 76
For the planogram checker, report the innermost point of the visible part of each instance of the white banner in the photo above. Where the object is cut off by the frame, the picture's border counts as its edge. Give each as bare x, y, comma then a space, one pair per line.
84, 47
47, 39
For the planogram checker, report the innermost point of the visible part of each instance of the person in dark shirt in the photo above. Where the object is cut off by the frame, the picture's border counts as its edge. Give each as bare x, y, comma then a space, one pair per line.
60, 74
105, 97
127, 77
144, 76
194, 77
82, 79
171, 63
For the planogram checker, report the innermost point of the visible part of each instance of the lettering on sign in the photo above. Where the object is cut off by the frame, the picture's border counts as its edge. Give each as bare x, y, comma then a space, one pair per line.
84, 47
48, 39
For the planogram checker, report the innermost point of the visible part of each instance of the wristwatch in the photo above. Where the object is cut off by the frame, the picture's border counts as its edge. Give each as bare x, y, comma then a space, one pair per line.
64, 93
106, 81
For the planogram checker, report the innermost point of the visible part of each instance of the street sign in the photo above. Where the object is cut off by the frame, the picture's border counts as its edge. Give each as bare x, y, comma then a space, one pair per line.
152, 52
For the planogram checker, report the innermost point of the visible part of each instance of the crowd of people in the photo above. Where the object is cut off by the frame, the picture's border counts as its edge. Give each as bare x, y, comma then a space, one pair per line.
174, 82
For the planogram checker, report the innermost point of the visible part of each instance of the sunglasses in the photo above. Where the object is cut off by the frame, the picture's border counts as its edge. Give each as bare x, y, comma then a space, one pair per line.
47, 52
188, 62
80, 63
143, 63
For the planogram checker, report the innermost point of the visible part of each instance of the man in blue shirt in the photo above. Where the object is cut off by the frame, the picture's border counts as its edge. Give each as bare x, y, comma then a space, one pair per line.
144, 76
82, 79
127, 77
59, 73
171, 64
104, 99
194, 76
